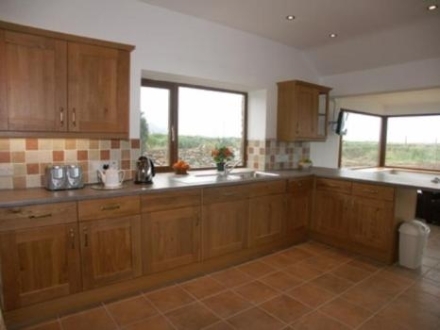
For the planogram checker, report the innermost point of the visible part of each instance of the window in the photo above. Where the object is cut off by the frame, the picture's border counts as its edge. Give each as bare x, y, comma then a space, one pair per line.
413, 141
360, 145
186, 122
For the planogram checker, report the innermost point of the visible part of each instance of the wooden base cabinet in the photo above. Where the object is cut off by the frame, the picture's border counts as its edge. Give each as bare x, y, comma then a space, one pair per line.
225, 220
267, 212
299, 204
171, 230
39, 253
110, 240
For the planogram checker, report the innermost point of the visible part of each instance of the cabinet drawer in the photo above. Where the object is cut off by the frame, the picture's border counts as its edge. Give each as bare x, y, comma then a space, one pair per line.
300, 184
12, 218
373, 191
226, 193
108, 208
170, 200
334, 185
267, 188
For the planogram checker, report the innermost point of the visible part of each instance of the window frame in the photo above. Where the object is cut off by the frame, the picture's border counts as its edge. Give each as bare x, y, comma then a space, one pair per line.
173, 125
383, 140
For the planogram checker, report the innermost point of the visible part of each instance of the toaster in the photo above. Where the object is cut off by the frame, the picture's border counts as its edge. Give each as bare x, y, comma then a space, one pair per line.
59, 177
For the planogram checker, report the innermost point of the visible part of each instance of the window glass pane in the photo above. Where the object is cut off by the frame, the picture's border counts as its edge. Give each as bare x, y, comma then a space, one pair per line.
155, 105
413, 142
361, 143
208, 118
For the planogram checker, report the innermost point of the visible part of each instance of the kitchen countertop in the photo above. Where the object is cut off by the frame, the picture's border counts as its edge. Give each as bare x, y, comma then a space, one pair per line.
166, 181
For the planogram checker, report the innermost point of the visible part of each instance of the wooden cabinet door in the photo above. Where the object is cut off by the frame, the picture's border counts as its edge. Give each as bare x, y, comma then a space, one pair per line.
267, 216
372, 223
110, 250
307, 111
171, 238
331, 214
299, 204
98, 85
225, 227
33, 82
39, 264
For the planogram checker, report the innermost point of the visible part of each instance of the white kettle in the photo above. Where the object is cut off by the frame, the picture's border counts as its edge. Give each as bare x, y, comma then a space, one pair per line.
111, 177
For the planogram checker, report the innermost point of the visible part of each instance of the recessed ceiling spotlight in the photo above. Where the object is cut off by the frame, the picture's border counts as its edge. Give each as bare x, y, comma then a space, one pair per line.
432, 7
332, 35
290, 17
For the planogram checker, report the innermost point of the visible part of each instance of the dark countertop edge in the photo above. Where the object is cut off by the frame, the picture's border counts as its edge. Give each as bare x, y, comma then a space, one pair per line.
163, 182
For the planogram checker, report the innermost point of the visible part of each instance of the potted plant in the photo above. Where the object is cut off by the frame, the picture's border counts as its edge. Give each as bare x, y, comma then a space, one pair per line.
221, 155
305, 164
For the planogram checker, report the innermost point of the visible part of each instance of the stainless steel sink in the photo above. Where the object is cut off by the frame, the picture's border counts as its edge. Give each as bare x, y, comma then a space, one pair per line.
214, 177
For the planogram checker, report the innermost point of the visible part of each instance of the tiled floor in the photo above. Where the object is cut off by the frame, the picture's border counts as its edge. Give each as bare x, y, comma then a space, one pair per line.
309, 286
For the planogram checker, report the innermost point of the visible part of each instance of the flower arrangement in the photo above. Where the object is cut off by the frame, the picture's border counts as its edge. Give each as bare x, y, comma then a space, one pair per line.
222, 154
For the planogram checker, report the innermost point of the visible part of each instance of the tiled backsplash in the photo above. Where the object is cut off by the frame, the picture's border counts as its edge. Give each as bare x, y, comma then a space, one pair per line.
276, 155
22, 161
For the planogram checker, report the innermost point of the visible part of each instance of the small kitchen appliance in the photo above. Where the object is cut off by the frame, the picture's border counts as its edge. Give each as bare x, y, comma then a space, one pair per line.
57, 177
144, 170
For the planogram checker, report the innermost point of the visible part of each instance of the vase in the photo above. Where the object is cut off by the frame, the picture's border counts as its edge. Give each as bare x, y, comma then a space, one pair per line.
220, 167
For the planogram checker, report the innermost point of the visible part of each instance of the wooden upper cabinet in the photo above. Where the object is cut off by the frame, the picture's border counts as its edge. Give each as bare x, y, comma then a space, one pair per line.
302, 111
58, 85
34, 82
98, 89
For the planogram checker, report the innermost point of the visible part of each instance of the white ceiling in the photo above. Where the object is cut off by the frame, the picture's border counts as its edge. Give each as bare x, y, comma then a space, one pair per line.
371, 33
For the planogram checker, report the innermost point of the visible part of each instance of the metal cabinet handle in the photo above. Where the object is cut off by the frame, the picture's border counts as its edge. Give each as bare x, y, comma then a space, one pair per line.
62, 116
72, 238
39, 216
74, 117
110, 207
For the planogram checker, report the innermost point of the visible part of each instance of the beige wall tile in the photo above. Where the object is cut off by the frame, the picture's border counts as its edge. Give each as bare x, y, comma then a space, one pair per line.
6, 182
45, 144
4, 145
17, 144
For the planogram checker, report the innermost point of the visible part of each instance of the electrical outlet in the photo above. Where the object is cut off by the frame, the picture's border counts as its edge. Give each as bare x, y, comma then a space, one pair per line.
6, 170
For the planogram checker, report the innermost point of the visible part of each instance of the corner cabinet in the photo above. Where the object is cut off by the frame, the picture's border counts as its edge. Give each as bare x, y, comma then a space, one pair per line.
302, 111
58, 85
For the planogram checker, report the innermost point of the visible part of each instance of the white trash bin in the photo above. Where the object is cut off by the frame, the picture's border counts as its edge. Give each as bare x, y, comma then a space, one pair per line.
412, 243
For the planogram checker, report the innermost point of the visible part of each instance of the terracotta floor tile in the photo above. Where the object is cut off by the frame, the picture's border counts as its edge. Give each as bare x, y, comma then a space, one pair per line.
96, 319
388, 285
191, 317
296, 254
278, 260
427, 286
232, 277
369, 298
157, 322
131, 310
285, 308
255, 319
322, 263
310, 295
332, 283
351, 273
401, 274
430, 262
318, 321
256, 292
416, 299
382, 323
303, 271
169, 298
226, 303
202, 287
366, 264
281, 281
345, 312
314, 247
51, 325
256, 269
433, 275
220, 326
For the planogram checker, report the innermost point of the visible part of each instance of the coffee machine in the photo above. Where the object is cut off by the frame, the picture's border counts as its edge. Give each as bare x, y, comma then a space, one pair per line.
144, 170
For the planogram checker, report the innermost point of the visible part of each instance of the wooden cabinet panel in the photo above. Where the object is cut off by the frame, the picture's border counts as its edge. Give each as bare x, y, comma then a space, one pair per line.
299, 206
171, 238
373, 191
110, 250
334, 185
39, 253
372, 223
267, 216
225, 227
267, 188
226, 193
90, 210
96, 81
34, 71
170, 200
307, 113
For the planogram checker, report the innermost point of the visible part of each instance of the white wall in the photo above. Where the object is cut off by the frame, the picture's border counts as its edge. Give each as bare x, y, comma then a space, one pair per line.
170, 43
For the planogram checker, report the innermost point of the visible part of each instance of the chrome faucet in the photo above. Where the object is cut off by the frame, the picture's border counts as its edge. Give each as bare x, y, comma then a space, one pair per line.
229, 167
